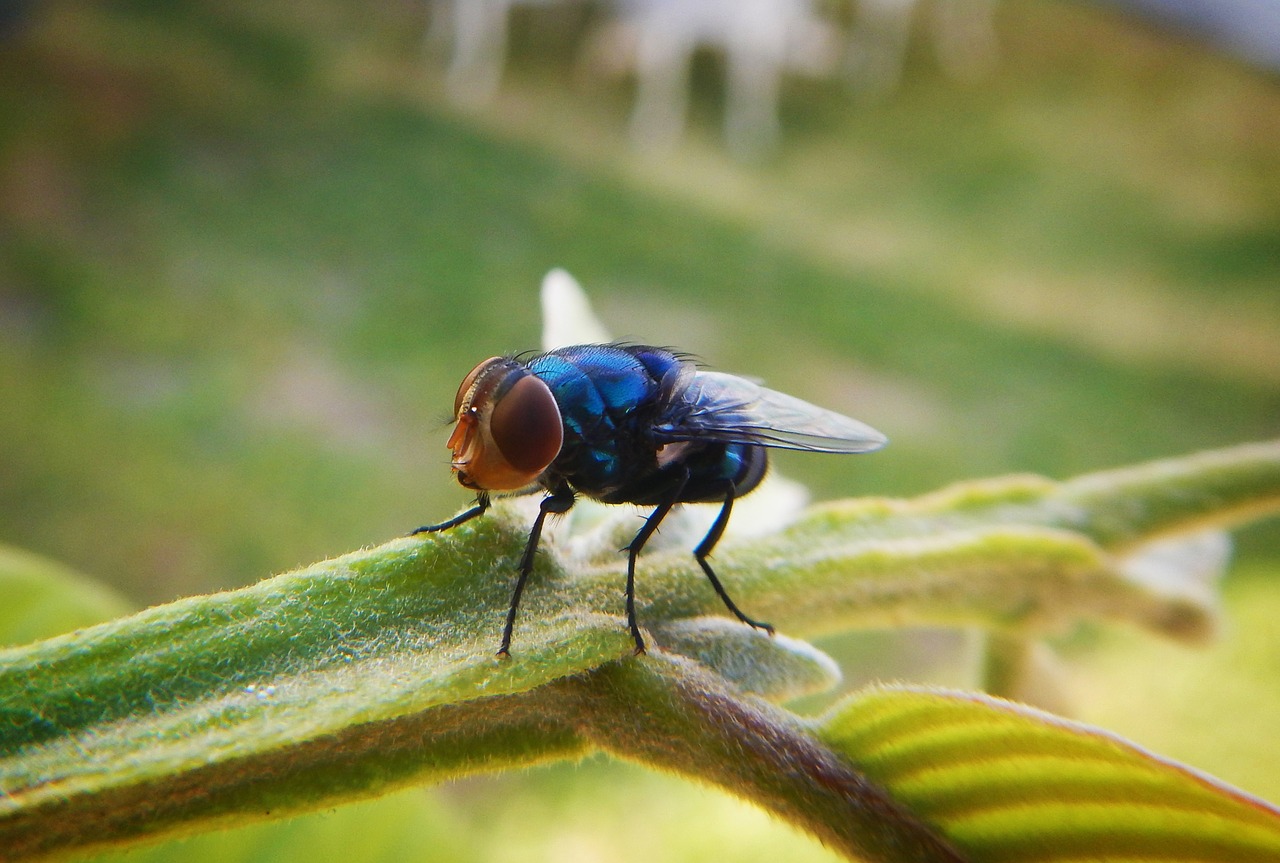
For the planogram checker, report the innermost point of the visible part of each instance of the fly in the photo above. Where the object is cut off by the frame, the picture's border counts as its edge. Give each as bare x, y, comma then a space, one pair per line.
627, 424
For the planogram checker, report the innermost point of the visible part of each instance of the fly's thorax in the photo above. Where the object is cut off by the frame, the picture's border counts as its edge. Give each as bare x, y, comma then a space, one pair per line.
508, 429
609, 400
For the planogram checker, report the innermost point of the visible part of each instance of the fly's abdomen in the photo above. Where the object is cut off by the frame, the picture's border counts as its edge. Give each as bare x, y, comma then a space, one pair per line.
713, 470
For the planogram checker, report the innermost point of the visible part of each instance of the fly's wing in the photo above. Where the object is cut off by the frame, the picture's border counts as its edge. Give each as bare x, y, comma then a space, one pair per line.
730, 409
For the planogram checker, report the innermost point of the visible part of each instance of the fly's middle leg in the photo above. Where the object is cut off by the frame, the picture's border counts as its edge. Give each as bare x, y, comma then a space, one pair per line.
642, 536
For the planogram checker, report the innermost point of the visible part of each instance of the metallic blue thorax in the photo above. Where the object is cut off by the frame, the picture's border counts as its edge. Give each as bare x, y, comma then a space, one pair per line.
611, 397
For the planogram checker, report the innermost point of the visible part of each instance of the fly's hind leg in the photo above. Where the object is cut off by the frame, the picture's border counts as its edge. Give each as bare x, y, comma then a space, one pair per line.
704, 550
559, 501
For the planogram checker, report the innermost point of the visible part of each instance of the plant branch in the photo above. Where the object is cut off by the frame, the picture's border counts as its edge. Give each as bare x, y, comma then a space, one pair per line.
671, 713
376, 669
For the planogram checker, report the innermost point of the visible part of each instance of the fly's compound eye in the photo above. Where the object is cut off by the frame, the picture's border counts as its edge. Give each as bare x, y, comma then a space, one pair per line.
509, 429
526, 425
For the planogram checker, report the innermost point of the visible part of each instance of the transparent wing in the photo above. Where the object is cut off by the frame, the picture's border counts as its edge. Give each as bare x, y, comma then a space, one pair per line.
722, 407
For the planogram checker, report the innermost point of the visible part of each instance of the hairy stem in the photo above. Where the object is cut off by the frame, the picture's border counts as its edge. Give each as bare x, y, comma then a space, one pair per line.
669, 713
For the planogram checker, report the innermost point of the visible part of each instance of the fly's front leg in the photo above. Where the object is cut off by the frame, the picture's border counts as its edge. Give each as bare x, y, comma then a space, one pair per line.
704, 549
482, 504
650, 525
559, 501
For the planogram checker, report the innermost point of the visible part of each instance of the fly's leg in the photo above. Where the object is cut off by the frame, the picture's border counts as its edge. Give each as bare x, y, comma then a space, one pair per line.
650, 525
704, 549
559, 501
482, 504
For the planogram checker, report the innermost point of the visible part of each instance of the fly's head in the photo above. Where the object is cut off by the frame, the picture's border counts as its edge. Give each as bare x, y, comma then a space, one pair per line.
508, 427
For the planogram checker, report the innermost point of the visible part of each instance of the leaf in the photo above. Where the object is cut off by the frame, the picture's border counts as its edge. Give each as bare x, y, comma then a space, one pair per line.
376, 670
40, 598
778, 668
1020, 554
306, 688
1009, 783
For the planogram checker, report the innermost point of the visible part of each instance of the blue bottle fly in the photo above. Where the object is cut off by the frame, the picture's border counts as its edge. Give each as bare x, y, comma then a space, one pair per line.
627, 424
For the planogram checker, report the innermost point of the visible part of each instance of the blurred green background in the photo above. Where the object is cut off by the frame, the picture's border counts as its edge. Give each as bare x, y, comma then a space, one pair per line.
247, 251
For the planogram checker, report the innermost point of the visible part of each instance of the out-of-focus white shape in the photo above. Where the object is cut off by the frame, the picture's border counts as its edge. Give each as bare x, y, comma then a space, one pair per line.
1188, 567
593, 532
760, 39
476, 34
963, 35
567, 318
775, 503
770, 507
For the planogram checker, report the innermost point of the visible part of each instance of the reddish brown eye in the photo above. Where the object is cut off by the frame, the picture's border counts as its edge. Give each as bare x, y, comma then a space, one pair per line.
526, 425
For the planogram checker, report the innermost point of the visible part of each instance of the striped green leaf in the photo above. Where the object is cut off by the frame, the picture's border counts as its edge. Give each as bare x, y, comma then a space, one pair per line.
1005, 782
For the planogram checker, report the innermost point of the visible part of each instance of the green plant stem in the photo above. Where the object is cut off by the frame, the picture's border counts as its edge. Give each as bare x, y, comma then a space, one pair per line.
1214, 489
660, 710
670, 713
375, 670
